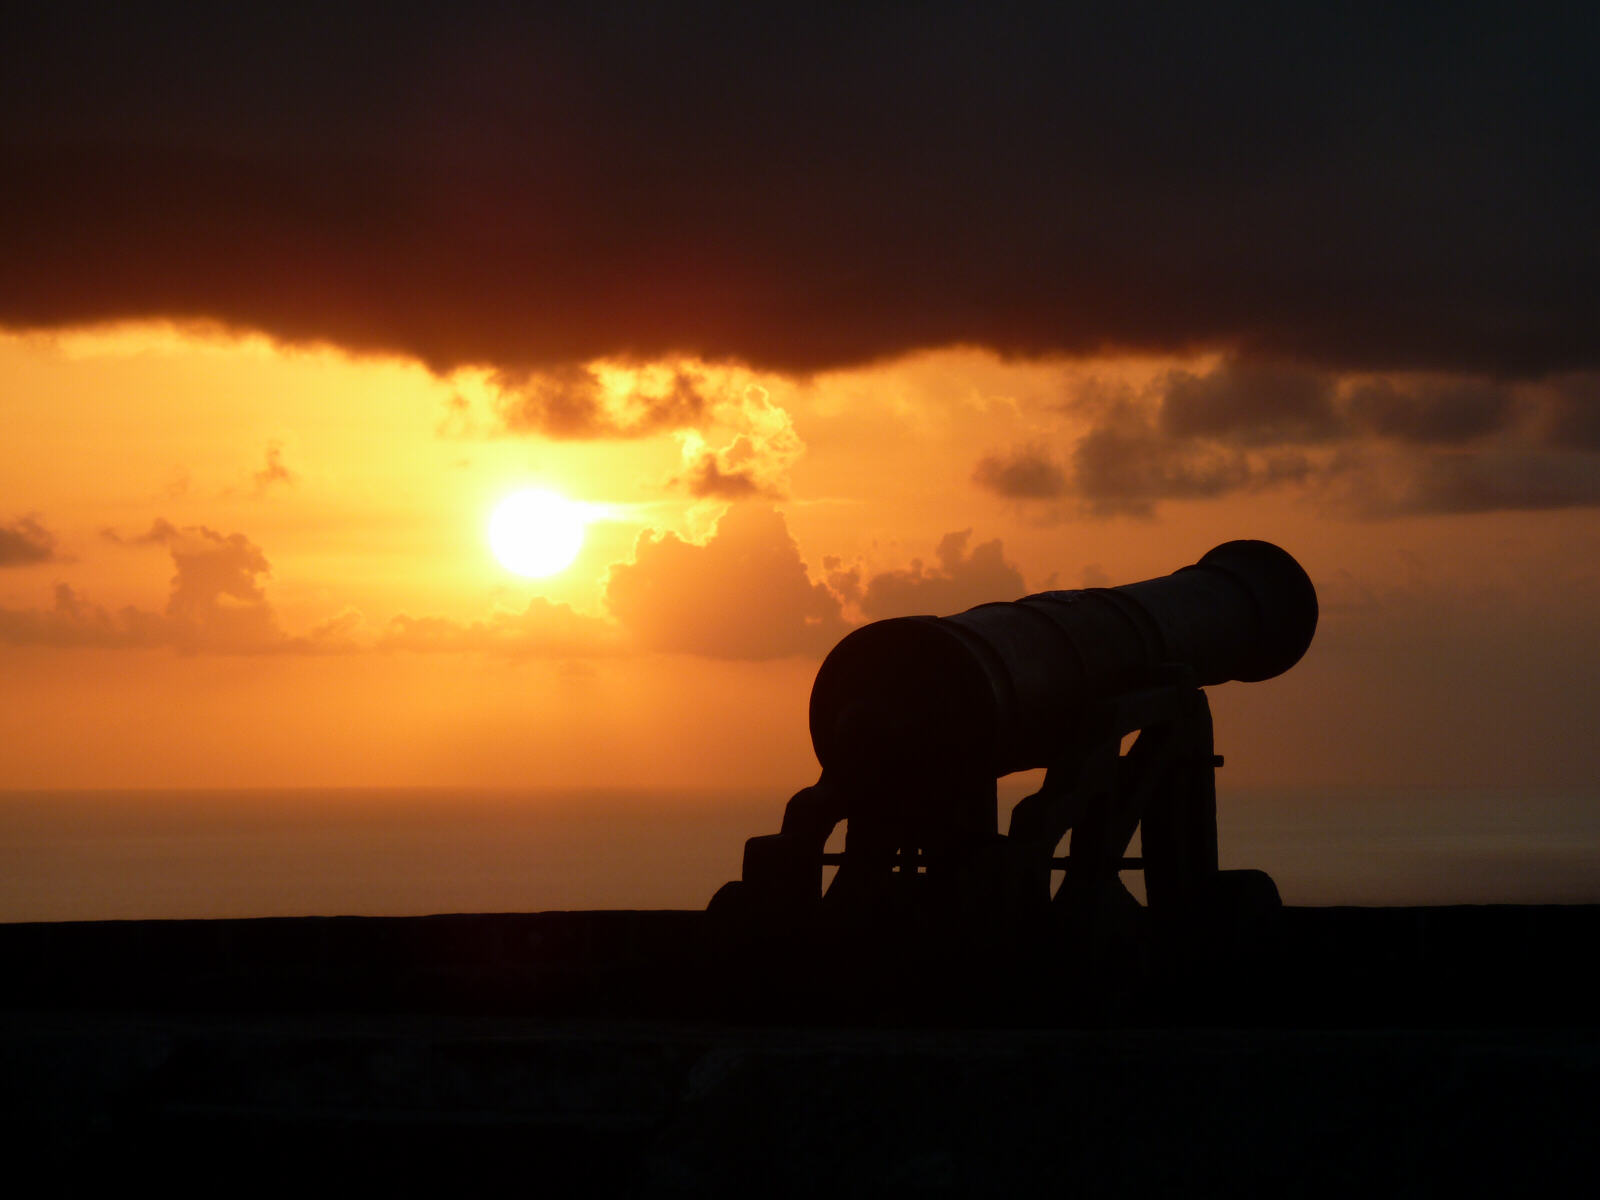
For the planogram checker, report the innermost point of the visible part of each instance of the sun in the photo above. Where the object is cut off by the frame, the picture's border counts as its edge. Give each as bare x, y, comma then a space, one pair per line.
536, 533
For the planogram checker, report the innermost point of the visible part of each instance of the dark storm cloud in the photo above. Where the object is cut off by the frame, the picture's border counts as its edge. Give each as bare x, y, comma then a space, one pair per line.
24, 542
520, 186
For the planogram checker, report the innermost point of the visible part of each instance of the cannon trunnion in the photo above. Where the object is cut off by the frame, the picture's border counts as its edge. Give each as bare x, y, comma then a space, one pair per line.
914, 719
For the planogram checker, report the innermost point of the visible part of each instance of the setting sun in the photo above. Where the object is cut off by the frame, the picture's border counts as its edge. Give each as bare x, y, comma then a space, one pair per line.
536, 533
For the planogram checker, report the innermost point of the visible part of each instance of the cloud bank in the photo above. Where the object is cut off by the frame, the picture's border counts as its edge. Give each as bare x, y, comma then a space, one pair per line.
543, 629
744, 594
216, 603
530, 186
1371, 445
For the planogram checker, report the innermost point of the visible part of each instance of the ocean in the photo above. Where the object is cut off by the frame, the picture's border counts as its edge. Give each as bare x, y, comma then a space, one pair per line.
103, 855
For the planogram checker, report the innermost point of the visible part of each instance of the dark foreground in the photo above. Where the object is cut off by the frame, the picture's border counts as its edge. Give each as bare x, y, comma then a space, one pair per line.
1391, 1051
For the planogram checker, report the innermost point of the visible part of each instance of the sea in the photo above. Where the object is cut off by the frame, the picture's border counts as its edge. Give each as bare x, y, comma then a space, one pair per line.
143, 854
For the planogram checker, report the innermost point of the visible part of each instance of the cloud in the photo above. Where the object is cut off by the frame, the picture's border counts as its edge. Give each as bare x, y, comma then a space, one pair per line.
216, 604
1432, 413
274, 471
755, 461
1250, 404
543, 629
745, 594
1126, 468
1574, 420
707, 477
572, 401
72, 621
217, 601
1130, 459
843, 582
961, 579
1380, 445
25, 542
1496, 480
1026, 473
527, 186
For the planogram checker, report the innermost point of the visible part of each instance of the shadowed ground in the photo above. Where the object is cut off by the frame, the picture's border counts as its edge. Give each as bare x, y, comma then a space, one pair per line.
1406, 1051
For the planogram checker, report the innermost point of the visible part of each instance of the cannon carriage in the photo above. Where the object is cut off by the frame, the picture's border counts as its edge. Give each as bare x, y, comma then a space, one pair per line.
914, 720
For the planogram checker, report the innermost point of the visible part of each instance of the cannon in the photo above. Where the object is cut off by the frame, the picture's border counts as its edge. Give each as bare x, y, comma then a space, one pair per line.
914, 720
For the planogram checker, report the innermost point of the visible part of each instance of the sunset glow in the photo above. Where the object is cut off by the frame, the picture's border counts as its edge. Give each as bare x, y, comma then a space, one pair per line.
489, 402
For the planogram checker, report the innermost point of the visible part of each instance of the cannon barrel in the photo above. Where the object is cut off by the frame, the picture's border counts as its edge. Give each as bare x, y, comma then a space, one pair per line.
999, 687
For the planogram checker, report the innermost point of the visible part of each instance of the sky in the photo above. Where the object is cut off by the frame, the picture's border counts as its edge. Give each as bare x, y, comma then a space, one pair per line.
824, 315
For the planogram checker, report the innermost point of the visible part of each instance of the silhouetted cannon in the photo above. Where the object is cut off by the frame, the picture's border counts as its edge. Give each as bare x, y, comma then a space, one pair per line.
913, 719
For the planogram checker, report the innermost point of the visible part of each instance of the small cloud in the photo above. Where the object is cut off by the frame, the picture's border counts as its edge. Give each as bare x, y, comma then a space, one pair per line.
457, 420
573, 402
1522, 479
846, 584
1027, 473
961, 579
1123, 468
706, 478
1250, 404
744, 594
160, 530
25, 542
543, 629
218, 601
71, 621
756, 459
342, 631
1574, 420
1431, 413
274, 471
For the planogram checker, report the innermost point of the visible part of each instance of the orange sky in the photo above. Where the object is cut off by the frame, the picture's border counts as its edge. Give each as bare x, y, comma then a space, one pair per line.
257, 565
824, 317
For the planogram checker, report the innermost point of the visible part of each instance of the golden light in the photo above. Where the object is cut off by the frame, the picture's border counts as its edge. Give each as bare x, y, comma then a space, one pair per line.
536, 533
